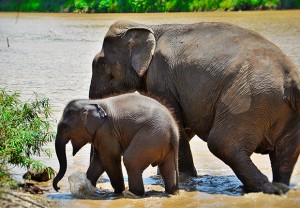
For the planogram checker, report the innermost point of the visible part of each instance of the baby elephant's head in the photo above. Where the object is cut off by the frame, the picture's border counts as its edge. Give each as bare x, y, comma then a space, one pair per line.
80, 121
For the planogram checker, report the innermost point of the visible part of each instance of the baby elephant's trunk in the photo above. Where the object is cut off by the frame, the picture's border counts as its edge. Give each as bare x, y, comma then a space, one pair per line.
60, 148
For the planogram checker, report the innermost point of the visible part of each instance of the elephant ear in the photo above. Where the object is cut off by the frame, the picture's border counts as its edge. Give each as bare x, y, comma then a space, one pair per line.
95, 117
141, 45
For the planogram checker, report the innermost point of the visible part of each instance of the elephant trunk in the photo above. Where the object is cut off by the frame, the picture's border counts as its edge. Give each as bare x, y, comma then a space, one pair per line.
60, 148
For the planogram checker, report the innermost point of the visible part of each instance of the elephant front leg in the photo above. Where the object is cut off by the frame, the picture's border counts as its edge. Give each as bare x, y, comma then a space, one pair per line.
95, 169
113, 169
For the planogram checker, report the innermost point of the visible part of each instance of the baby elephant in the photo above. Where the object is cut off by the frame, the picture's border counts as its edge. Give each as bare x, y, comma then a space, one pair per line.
134, 126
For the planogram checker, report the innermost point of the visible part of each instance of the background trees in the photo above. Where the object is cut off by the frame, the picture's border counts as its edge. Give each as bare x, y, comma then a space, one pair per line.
143, 5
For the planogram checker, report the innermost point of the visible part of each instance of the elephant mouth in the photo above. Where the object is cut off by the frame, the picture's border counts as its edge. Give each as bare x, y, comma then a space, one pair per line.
95, 95
75, 150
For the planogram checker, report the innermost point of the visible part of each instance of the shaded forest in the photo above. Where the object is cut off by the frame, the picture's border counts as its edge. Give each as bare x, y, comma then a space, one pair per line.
117, 6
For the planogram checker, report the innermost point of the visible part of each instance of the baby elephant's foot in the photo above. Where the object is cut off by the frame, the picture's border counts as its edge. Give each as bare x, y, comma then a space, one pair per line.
280, 188
175, 192
130, 195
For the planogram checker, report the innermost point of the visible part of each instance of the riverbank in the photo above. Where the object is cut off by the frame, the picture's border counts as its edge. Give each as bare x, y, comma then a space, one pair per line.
138, 6
17, 198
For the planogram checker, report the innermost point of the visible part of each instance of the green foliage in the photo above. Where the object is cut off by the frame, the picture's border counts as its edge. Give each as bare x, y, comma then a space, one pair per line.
209, 4
80, 4
36, 5
138, 5
25, 127
177, 5
144, 5
86, 5
195, 5
257, 4
7, 181
108, 6
227, 5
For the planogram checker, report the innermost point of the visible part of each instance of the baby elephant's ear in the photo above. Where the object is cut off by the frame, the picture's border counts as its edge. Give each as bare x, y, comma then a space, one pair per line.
95, 117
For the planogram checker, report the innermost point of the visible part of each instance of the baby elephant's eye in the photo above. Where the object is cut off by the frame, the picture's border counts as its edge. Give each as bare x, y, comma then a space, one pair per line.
100, 62
103, 62
63, 126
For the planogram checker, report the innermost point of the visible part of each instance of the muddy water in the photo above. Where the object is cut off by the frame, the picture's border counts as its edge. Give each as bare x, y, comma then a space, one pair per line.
51, 54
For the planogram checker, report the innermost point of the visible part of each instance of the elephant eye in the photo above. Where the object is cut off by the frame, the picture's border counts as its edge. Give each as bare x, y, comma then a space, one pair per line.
100, 62
63, 126
110, 76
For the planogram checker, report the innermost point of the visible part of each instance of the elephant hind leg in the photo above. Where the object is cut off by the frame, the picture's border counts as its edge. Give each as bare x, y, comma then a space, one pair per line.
169, 174
235, 148
136, 160
284, 157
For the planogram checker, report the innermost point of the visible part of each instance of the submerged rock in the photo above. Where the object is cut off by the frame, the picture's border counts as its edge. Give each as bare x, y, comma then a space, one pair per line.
39, 176
130, 195
82, 188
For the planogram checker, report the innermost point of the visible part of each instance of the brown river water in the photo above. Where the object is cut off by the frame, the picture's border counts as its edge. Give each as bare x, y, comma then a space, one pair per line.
51, 54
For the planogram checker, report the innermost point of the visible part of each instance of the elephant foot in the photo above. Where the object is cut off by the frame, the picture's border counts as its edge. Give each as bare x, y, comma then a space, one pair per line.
130, 195
186, 173
280, 188
189, 172
266, 188
175, 192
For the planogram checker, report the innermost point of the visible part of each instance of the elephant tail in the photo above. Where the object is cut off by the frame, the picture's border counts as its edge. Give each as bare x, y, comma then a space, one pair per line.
175, 145
292, 96
297, 99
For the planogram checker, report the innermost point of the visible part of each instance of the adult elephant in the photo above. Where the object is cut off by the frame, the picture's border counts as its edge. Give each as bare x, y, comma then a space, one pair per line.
230, 86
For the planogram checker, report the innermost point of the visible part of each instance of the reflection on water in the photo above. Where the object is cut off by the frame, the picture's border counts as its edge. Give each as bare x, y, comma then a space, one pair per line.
51, 54
212, 185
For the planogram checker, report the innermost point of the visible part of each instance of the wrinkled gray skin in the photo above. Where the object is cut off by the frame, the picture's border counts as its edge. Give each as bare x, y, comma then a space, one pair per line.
135, 126
230, 86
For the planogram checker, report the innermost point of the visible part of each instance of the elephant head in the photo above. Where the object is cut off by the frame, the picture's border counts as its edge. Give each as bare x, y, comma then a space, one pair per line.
79, 123
121, 65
